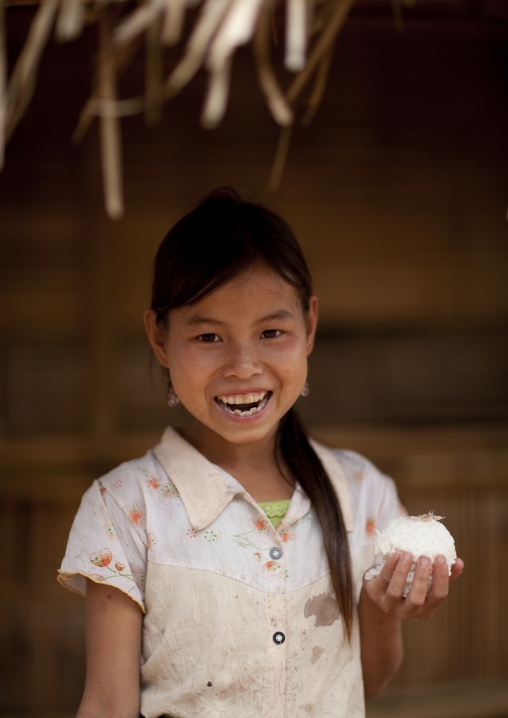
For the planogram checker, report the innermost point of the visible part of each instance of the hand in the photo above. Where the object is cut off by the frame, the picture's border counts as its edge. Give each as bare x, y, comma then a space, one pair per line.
387, 588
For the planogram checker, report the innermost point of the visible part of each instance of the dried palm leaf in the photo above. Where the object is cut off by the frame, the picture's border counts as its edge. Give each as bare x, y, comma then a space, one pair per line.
296, 35
324, 42
173, 22
98, 106
277, 103
218, 29
212, 14
22, 81
70, 20
237, 29
153, 75
138, 21
217, 94
279, 163
111, 146
319, 87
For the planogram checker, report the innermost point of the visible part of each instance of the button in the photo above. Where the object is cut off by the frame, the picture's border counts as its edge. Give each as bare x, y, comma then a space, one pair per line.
275, 552
279, 638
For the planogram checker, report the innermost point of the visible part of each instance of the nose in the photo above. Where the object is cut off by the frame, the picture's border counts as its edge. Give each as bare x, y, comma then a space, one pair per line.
242, 362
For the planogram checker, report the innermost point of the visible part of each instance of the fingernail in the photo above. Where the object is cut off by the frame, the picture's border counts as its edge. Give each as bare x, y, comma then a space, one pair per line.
424, 560
441, 560
407, 556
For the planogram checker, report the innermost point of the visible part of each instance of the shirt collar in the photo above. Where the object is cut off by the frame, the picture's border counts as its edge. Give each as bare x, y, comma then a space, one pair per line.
206, 490
203, 487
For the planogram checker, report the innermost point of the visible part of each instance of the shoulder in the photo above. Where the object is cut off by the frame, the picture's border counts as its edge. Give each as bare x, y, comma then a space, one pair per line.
109, 540
357, 470
135, 488
368, 486
140, 477
373, 494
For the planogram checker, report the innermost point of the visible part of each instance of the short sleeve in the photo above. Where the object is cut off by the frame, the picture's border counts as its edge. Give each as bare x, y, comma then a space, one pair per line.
384, 501
373, 495
374, 501
104, 546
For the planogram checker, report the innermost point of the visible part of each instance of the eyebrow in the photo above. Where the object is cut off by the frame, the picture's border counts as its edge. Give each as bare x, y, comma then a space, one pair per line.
278, 316
199, 319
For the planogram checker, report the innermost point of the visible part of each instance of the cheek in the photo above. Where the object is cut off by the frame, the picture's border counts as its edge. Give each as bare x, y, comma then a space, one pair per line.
188, 365
293, 364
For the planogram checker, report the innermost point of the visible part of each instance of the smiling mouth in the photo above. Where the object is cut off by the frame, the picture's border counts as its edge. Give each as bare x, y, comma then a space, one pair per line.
243, 404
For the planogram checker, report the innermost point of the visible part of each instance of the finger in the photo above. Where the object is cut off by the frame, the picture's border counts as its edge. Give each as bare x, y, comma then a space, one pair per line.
457, 569
389, 568
376, 585
440, 582
395, 589
419, 587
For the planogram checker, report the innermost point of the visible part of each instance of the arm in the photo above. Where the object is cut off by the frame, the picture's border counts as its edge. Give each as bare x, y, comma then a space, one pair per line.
381, 645
113, 636
382, 609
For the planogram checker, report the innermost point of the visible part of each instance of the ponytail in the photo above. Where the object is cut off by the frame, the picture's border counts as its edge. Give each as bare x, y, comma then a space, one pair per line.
305, 465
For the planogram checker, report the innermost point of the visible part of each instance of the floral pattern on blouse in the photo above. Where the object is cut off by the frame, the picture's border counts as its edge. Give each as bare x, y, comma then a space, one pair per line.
103, 559
165, 488
183, 539
128, 515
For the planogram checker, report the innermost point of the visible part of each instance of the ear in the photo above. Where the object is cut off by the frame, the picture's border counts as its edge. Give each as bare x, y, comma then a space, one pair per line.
156, 337
311, 323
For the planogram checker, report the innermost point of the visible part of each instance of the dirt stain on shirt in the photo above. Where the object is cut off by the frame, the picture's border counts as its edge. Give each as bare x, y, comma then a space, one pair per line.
230, 692
316, 654
324, 607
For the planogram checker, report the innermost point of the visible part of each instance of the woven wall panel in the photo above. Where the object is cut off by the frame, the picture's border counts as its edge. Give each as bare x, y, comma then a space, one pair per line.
398, 192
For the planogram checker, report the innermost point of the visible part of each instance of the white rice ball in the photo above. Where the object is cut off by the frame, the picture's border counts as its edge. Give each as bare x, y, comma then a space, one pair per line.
421, 536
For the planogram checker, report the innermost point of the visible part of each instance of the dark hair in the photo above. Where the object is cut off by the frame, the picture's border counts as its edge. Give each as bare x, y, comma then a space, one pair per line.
218, 240
221, 237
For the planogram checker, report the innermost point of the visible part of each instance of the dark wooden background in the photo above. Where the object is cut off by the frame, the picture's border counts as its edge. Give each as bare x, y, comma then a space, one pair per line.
398, 191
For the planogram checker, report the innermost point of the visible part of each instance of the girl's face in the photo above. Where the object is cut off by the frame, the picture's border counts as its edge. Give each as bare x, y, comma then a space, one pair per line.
238, 358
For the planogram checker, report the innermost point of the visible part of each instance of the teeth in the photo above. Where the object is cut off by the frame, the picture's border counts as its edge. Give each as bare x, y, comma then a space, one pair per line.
242, 398
262, 398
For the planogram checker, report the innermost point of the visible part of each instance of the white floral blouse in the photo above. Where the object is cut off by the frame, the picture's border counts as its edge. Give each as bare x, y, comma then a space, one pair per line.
240, 618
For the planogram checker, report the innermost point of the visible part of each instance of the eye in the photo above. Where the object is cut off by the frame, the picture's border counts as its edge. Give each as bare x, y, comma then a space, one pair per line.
209, 338
270, 333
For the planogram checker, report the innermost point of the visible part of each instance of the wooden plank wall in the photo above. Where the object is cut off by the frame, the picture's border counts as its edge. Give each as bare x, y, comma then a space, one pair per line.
398, 192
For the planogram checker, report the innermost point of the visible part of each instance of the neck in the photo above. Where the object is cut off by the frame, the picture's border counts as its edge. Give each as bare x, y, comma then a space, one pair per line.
254, 464
258, 454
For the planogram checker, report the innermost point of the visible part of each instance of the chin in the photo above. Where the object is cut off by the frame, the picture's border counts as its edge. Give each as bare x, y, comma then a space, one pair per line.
247, 434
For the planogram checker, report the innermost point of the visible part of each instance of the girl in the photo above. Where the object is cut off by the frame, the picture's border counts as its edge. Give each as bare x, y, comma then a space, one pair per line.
229, 559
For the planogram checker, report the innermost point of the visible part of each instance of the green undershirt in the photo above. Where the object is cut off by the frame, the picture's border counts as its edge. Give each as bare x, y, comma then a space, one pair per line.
275, 510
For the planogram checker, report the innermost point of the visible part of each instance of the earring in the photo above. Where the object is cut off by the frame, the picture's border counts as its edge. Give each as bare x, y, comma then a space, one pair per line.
173, 400
306, 389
